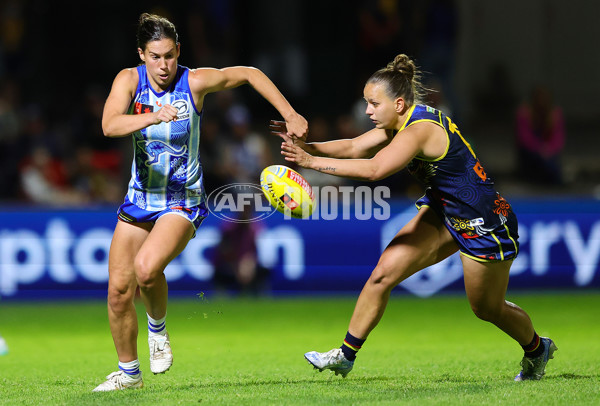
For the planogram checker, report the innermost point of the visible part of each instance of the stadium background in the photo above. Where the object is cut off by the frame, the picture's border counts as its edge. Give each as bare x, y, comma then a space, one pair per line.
62, 180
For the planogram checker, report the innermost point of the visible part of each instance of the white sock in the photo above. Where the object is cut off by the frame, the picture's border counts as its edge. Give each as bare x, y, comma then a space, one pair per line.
131, 369
157, 326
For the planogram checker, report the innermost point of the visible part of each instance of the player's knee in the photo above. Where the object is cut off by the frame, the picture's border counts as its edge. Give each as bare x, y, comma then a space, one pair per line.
486, 312
145, 273
382, 276
119, 299
391, 270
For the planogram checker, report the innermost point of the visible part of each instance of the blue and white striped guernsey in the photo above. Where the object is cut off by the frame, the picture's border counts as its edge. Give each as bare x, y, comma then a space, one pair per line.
166, 170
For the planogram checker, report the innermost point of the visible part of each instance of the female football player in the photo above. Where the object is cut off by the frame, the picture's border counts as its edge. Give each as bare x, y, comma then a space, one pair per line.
460, 211
160, 104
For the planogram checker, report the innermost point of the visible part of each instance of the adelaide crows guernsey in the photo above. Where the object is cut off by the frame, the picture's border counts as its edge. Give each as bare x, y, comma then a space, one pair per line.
456, 183
166, 170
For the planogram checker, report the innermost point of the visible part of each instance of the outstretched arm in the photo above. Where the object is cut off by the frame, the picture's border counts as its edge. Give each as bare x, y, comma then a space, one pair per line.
363, 146
210, 80
389, 160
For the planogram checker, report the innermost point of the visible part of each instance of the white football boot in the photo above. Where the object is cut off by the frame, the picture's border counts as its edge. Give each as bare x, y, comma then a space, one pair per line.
119, 381
333, 359
161, 356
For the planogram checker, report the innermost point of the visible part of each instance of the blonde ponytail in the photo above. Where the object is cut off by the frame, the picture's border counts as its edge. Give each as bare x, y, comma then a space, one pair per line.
402, 79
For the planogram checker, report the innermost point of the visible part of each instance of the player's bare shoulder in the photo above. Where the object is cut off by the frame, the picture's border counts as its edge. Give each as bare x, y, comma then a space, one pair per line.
431, 138
202, 79
127, 80
128, 74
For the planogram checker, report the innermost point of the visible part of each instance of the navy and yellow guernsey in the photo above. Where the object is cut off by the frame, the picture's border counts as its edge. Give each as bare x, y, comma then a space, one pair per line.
458, 189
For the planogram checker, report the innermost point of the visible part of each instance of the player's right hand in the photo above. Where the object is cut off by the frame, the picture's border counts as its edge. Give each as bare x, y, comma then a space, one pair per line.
279, 128
166, 114
297, 127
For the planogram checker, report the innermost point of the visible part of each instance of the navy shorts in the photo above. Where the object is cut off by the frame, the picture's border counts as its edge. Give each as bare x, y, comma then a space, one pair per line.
500, 244
130, 213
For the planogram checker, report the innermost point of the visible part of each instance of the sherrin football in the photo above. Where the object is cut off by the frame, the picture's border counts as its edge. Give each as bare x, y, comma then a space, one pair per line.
287, 191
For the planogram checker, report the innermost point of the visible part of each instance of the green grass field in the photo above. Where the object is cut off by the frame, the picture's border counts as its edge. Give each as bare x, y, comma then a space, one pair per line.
245, 352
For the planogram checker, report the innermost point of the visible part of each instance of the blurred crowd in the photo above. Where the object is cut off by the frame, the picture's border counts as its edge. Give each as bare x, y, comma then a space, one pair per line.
53, 88
52, 93
53, 162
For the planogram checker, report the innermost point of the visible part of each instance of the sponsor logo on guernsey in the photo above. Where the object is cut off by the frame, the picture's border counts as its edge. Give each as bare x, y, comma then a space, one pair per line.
183, 109
154, 149
476, 222
141, 108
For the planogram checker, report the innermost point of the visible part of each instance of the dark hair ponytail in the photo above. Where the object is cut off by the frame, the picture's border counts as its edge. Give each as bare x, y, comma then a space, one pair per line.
402, 79
152, 27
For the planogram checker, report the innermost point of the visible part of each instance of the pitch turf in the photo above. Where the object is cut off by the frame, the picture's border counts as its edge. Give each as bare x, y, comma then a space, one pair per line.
246, 352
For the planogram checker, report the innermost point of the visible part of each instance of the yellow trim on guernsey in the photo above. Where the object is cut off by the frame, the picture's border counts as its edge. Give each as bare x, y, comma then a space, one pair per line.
512, 239
499, 246
439, 123
408, 116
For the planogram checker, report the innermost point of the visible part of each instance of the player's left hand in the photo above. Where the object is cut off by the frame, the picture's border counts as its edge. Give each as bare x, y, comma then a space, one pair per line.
279, 129
293, 153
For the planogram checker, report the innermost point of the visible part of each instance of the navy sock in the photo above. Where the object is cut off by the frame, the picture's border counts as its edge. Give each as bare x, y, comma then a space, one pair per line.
351, 346
535, 348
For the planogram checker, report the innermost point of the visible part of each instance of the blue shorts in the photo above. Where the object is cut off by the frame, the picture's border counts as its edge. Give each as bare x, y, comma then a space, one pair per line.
130, 213
500, 244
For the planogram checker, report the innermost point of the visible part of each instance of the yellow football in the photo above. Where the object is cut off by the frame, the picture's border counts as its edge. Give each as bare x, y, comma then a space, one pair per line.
287, 191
